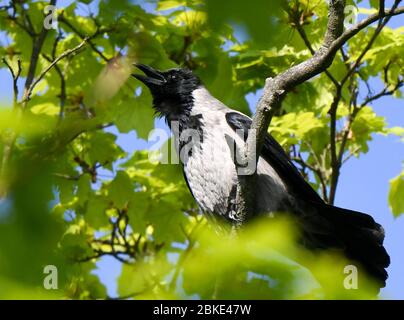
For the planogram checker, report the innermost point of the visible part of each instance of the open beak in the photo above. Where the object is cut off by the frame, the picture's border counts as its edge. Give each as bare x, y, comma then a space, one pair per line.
153, 76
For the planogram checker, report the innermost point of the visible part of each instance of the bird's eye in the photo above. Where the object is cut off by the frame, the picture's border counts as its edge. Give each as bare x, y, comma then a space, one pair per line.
173, 77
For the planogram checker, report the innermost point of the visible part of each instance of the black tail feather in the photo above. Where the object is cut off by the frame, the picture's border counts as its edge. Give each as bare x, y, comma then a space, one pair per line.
363, 240
358, 235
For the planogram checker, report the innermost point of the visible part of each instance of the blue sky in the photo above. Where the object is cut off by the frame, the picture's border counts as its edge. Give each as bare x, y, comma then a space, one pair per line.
363, 186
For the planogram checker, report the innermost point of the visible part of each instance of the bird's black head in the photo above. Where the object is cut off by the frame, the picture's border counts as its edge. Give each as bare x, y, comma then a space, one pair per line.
171, 89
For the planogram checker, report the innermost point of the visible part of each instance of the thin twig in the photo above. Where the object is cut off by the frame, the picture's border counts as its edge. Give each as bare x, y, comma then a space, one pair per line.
336, 157
306, 41
38, 42
379, 28
333, 144
99, 31
50, 66
63, 95
382, 93
15, 76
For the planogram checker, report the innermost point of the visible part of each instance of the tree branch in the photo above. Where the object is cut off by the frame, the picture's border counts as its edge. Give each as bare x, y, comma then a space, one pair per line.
82, 36
62, 95
380, 26
345, 132
276, 89
336, 156
38, 42
299, 27
382, 93
50, 66
15, 76
31, 81
333, 144
59, 71
348, 34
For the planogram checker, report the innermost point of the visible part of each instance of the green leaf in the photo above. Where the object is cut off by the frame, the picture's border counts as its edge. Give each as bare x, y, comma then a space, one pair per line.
95, 214
137, 211
396, 195
45, 108
398, 131
374, 3
365, 124
75, 246
170, 4
94, 288
102, 148
66, 191
132, 280
167, 218
121, 189
194, 20
84, 190
135, 114
256, 16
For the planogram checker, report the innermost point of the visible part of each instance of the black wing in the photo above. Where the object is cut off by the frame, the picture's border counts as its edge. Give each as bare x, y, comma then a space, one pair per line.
274, 154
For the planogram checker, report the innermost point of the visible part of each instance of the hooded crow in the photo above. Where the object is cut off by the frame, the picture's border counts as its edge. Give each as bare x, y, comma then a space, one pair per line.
191, 111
